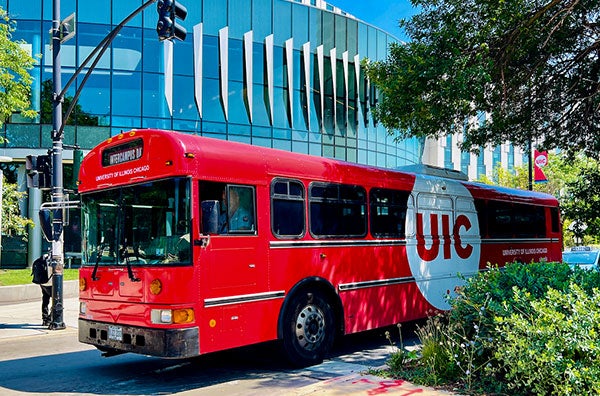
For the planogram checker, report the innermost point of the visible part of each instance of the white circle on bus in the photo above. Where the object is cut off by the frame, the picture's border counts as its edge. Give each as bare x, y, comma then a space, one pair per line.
442, 238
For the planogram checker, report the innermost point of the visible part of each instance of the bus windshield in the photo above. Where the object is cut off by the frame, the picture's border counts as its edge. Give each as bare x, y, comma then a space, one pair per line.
144, 224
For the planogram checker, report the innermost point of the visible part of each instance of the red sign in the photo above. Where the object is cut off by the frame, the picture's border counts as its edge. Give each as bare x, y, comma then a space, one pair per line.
540, 159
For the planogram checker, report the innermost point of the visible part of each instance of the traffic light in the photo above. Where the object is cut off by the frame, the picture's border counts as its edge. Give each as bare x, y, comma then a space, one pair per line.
168, 13
39, 171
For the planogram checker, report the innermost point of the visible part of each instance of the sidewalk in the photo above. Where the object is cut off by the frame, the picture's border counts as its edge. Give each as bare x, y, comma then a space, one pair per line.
21, 309
22, 319
32, 292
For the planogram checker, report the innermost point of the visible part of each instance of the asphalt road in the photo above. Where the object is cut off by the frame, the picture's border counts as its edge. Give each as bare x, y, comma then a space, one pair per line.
36, 360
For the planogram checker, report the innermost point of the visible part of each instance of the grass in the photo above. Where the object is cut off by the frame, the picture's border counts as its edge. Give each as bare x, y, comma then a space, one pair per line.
11, 277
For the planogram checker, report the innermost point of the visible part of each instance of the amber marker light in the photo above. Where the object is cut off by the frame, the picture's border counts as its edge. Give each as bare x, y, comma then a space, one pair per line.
189, 155
185, 315
82, 284
155, 287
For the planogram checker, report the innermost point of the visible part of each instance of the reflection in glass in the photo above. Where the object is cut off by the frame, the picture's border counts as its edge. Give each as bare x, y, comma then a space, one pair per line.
147, 224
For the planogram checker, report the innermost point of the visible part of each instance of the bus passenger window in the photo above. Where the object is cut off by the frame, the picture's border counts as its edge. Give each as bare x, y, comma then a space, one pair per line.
500, 220
287, 208
388, 212
337, 210
555, 219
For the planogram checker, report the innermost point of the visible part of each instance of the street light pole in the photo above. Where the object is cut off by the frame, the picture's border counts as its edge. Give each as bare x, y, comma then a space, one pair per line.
3, 158
57, 174
168, 11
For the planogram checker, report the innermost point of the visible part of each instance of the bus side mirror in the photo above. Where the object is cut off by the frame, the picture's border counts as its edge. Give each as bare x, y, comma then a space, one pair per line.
46, 223
210, 217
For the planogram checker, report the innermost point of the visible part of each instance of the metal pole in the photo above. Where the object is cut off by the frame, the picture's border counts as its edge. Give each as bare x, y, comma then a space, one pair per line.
3, 158
57, 176
530, 166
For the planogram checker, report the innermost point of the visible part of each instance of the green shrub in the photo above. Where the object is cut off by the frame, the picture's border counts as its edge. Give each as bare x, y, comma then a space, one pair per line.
521, 330
553, 349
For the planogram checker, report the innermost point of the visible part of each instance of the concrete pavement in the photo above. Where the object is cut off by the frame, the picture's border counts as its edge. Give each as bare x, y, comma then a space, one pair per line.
23, 319
31, 292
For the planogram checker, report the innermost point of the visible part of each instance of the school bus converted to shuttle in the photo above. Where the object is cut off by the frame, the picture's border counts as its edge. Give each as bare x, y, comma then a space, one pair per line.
193, 245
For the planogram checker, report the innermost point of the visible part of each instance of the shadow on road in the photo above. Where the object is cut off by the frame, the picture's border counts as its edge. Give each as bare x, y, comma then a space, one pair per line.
260, 366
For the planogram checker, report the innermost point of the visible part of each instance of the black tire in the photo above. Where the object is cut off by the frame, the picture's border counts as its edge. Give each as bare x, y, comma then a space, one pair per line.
308, 328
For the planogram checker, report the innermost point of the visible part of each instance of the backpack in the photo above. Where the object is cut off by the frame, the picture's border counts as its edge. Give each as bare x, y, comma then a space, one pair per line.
39, 270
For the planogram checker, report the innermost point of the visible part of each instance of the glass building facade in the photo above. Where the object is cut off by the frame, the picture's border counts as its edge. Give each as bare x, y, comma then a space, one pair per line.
275, 73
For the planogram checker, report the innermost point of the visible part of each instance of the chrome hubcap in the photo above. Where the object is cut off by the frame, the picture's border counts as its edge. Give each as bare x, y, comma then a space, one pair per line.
310, 327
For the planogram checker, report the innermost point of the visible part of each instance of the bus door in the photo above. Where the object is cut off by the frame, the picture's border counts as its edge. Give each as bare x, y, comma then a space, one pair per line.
232, 266
230, 256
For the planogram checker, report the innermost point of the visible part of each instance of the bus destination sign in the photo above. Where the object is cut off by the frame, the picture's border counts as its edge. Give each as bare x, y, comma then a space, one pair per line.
121, 153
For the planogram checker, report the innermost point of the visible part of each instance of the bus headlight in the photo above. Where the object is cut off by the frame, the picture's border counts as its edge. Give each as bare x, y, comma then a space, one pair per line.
161, 316
82, 308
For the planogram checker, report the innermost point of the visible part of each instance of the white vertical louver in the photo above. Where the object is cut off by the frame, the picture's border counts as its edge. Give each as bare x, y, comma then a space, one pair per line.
168, 59
249, 71
198, 67
333, 60
224, 69
345, 62
357, 88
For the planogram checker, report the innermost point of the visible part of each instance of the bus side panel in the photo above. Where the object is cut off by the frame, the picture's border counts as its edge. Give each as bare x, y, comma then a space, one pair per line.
382, 306
502, 252
236, 325
374, 283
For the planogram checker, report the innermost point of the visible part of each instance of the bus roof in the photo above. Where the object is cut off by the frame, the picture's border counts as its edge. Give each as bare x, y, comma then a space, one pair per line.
148, 154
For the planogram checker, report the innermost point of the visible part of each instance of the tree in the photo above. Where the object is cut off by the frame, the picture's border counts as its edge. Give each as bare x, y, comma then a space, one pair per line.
581, 201
15, 80
531, 66
12, 221
574, 181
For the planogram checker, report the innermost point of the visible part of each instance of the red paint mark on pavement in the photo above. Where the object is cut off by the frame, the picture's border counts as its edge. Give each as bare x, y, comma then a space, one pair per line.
384, 386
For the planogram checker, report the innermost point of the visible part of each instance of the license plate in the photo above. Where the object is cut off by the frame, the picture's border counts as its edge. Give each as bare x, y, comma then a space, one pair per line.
115, 333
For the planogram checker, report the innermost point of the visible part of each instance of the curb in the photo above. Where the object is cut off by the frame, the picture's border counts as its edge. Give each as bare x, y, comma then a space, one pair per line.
29, 292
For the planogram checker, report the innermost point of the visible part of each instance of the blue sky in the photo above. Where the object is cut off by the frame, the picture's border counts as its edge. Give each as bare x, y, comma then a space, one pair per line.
381, 13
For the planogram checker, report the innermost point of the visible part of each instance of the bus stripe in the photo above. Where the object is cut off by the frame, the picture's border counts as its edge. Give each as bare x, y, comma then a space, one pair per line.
374, 283
243, 298
393, 281
336, 243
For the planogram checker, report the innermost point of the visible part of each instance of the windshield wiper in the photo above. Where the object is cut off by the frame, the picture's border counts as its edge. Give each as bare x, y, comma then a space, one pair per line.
126, 256
98, 255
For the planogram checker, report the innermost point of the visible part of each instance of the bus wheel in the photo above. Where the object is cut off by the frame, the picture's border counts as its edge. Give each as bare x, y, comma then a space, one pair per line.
309, 329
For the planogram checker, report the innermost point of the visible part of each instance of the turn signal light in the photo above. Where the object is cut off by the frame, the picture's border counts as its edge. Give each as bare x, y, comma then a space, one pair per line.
185, 315
82, 284
155, 287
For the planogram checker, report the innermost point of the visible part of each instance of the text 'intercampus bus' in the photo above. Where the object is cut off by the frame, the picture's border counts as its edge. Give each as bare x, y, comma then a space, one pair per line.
193, 245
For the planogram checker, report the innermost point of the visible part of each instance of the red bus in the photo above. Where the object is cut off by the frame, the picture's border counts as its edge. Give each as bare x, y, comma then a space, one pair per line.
193, 245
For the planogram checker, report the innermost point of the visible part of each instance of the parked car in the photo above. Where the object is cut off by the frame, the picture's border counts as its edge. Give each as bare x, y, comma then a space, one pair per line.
585, 257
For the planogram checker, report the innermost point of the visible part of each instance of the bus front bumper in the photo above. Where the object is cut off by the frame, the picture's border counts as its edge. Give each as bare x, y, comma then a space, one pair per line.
167, 343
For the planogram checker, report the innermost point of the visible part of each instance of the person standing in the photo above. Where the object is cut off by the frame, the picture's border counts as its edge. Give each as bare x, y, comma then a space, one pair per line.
42, 275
